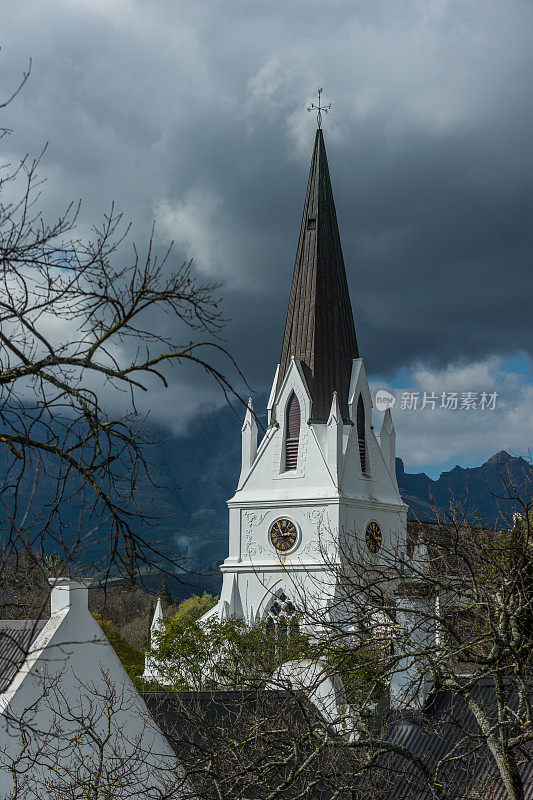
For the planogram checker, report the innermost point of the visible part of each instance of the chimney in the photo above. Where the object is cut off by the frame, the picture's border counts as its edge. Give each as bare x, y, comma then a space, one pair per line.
67, 596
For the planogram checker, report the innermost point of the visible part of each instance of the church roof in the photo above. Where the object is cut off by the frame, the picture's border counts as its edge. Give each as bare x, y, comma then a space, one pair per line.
320, 330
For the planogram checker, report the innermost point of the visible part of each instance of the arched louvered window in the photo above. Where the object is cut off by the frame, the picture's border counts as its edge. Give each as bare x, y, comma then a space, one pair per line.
292, 432
361, 435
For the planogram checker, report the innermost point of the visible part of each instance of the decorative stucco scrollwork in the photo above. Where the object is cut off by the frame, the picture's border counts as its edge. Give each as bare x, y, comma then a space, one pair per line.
316, 518
251, 520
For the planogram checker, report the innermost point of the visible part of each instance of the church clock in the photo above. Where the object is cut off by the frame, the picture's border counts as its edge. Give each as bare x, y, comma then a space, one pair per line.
283, 534
373, 537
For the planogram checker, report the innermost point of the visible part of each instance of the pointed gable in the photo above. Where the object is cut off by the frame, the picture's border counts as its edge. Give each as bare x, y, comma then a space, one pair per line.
320, 330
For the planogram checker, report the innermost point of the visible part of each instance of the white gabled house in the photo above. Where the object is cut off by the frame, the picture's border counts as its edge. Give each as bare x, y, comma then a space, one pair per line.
70, 717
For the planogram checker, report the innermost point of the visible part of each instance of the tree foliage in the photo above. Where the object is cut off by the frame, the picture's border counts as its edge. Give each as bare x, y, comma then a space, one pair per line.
189, 611
132, 658
211, 654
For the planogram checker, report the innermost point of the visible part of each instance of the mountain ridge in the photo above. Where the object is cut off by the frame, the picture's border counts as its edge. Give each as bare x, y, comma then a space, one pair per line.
480, 490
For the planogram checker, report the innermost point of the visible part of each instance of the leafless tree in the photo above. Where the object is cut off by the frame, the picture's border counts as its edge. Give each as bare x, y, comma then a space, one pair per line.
10, 97
86, 326
448, 615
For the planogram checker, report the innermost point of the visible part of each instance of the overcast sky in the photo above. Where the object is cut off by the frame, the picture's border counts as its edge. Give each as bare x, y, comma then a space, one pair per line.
194, 114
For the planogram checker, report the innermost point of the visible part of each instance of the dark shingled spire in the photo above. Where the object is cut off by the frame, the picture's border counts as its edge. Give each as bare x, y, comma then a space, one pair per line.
320, 331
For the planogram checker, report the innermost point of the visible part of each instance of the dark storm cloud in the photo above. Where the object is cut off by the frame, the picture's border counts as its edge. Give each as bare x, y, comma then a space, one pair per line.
195, 113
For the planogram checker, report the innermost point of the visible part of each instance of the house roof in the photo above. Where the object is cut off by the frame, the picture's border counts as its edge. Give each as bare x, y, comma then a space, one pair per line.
16, 639
320, 330
448, 741
242, 743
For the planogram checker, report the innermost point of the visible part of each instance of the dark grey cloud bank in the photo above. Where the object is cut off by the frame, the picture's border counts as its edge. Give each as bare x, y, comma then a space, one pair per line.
194, 113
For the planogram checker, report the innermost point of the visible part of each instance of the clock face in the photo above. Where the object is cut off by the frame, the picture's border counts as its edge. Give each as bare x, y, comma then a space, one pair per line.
373, 537
283, 534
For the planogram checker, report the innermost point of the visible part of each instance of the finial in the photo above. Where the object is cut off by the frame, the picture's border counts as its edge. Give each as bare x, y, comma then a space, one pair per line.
319, 108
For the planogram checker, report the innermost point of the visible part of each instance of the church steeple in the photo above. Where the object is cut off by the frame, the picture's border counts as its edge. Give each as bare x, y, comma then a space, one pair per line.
310, 481
320, 330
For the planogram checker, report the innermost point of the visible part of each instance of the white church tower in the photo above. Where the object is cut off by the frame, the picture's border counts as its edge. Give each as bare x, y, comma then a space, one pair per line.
319, 480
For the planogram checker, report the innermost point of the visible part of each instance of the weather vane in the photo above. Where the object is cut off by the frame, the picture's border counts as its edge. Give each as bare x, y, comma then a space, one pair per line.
319, 108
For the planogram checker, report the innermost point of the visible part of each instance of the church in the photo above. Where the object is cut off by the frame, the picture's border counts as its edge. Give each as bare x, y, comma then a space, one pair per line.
320, 480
